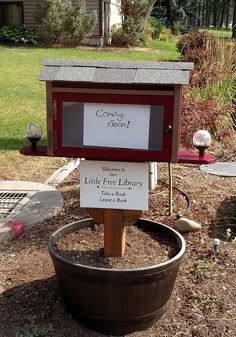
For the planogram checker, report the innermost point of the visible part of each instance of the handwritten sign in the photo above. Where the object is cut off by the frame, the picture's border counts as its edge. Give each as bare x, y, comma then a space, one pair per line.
116, 125
117, 185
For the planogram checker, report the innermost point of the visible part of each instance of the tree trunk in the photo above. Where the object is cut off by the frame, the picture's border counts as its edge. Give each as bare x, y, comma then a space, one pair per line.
199, 14
168, 13
222, 16
234, 21
216, 13
208, 13
227, 15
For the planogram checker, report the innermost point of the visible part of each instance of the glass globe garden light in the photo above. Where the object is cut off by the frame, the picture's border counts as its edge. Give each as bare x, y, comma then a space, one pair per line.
202, 140
33, 133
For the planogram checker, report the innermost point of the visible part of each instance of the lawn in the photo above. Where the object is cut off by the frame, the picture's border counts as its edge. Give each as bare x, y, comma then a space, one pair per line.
22, 97
227, 33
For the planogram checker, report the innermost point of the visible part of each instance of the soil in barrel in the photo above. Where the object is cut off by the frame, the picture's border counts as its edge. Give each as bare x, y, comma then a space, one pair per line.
144, 248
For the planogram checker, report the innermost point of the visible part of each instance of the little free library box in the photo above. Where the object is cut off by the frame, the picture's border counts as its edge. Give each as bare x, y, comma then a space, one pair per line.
114, 110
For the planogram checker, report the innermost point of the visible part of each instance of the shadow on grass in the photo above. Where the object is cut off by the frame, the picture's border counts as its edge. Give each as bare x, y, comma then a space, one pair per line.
16, 143
26, 46
38, 305
225, 221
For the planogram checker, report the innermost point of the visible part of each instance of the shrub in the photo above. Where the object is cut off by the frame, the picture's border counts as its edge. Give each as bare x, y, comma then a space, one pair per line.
54, 14
156, 26
199, 47
117, 34
133, 31
80, 23
165, 34
145, 40
64, 22
134, 15
209, 103
18, 35
175, 28
205, 115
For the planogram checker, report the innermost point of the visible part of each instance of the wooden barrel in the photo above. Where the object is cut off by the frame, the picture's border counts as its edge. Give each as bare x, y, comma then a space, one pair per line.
116, 301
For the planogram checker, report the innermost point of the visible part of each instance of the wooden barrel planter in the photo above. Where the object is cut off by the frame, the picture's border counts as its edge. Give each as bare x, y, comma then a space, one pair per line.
116, 301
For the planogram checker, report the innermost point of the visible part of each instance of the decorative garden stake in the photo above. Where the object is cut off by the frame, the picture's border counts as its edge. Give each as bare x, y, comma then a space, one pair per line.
120, 116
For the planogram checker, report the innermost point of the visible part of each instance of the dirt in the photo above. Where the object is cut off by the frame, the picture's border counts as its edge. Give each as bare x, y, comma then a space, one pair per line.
144, 248
203, 300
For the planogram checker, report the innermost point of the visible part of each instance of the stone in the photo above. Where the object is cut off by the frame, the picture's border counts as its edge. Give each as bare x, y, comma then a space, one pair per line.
184, 225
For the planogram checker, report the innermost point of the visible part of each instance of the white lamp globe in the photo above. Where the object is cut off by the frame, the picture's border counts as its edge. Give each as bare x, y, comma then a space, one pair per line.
33, 130
33, 133
202, 138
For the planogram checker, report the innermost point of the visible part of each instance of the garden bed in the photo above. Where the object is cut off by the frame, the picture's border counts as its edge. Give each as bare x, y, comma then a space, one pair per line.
203, 302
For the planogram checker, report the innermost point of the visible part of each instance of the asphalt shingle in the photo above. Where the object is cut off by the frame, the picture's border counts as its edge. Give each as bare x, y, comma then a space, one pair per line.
120, 72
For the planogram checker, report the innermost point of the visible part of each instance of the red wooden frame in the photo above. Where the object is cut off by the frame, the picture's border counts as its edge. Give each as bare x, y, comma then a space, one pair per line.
107, 153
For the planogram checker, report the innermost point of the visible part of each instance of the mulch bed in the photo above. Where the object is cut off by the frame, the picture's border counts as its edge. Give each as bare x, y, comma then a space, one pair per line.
203, 301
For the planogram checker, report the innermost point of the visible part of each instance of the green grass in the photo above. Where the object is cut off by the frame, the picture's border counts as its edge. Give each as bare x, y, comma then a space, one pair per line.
226, 33
165, 50
22, 96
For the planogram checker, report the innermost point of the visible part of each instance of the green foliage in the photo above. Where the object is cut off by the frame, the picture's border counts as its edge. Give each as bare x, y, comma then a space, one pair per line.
134, 15
146, 39
201, 269
64, 22
34, 330
165, 34
156, 26
172, 14
54, 14
80, 23
117, 34
18, 35
175, 27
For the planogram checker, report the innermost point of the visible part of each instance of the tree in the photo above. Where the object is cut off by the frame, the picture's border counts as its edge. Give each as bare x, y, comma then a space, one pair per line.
79, 22
134, 14
63, 22
202, 13
234, 22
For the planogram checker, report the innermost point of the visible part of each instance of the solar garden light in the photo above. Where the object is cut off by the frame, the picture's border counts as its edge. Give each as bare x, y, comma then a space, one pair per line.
202, 140
216, 244
33, 133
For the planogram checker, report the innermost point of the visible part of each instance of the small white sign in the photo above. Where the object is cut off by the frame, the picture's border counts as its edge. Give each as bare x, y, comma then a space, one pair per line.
118, 185
116, 125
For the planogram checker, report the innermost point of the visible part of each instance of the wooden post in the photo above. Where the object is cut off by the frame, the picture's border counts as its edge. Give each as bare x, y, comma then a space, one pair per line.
170, 189
114, 233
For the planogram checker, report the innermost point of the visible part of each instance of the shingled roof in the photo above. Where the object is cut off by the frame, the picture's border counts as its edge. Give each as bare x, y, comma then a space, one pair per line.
120, 72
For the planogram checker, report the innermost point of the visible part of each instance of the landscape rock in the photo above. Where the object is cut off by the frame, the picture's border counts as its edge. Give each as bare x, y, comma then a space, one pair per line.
184, 225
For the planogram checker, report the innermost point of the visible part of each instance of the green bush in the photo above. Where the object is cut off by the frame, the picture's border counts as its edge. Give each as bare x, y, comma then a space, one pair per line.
165, 34
175, 28
117, 34
157, 27
80, 23
54, 14
18, 35
134, 15
63, 22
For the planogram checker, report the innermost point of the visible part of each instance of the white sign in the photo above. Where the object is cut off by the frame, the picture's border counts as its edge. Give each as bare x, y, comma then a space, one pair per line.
116, 125
116, 185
